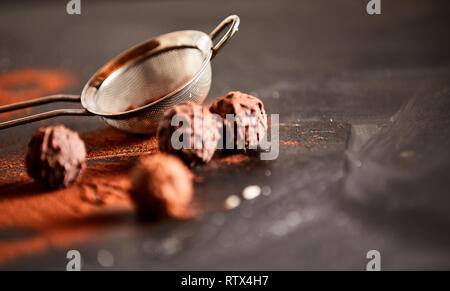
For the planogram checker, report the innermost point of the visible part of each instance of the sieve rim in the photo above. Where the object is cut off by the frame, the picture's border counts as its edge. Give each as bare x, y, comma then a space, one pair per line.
150, 53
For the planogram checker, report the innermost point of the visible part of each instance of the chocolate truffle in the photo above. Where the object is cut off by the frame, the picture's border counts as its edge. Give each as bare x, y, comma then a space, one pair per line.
56, 156
161, 187
194, 139
250, 119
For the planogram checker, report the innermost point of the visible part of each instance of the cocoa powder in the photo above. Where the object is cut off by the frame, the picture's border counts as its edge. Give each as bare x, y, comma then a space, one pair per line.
29, 83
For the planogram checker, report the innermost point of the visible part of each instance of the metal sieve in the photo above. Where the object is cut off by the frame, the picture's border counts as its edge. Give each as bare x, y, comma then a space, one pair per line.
132, 91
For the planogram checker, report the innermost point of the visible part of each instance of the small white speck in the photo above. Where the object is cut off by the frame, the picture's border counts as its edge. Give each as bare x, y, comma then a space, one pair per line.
268, 173
276, 94
105, 258
251, 192
231, 202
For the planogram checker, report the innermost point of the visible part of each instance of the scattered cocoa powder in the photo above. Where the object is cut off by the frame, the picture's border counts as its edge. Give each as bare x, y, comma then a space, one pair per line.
110, 142
291, 143
234, 159
59, 218
29, 83
66, 215
131, 107
76, 214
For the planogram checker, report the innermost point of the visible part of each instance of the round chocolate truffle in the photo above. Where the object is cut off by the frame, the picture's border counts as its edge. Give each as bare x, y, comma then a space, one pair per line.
161, 187
250, 120
195, 136
56, 156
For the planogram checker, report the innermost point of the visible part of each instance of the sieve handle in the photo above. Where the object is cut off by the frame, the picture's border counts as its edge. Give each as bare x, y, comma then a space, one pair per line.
40, 116
39, 101
233, 21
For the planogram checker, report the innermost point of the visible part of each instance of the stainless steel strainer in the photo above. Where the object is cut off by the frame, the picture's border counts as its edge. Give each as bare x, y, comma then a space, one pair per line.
132, 91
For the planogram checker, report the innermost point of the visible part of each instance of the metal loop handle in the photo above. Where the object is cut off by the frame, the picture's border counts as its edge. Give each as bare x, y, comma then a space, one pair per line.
233, 21
39, 101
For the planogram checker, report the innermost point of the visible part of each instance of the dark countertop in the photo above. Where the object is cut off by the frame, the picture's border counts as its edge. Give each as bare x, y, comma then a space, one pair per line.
364, 105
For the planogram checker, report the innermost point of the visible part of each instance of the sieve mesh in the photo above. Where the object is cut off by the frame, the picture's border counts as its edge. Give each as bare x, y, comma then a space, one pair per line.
148, 80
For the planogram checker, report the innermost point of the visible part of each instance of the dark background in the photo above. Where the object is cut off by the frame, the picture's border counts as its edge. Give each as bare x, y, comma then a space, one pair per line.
375, 88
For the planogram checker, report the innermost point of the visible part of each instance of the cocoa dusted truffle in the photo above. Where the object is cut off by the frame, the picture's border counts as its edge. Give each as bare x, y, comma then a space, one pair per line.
161, 187
56, 156
194, 139
250, 119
